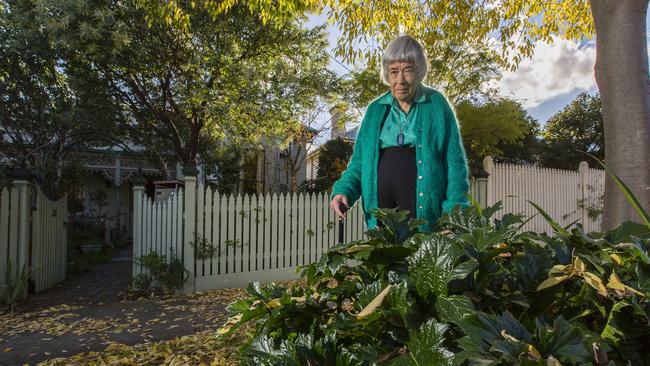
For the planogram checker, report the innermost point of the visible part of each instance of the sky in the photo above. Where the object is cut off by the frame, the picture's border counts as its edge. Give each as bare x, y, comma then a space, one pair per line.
544, 84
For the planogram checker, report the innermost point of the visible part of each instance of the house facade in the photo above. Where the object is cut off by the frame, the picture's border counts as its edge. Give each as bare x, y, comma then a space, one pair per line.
273, 169
338, 130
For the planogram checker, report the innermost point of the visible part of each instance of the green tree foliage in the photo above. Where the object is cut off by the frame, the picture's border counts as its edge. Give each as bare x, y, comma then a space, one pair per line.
332, 161
49, 105
578, 127
524, 151
229, 78
222, 163
489, 126
460, 70
178, 12
364, 86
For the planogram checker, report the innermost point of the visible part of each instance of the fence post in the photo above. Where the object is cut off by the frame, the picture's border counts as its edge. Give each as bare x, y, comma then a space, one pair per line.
23, 187
583, 169
138, 197
189, 226
488, 166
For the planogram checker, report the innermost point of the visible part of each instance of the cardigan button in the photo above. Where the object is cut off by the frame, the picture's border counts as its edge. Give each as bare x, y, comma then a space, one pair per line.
421, 194
420, 177
420, 206
419, 161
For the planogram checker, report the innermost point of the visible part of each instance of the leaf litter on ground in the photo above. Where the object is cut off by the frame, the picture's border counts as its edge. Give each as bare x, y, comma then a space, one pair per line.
200, 348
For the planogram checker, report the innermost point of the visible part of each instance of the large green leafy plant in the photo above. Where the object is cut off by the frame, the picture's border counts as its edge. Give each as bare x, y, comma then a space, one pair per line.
478, 291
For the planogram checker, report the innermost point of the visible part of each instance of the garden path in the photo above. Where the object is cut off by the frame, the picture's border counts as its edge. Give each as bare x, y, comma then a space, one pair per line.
91, 312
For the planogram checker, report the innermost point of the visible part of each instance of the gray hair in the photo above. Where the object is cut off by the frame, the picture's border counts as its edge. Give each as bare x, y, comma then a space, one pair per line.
404, 49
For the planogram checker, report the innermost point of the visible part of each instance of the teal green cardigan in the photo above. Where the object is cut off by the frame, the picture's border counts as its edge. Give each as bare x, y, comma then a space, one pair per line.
442, 166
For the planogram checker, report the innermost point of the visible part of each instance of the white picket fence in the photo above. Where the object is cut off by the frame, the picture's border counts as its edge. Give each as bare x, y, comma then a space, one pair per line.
567, 196
252, 237
266, 237
32, 234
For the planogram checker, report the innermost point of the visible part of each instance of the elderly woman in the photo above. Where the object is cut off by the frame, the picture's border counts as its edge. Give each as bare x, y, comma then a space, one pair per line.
408, 153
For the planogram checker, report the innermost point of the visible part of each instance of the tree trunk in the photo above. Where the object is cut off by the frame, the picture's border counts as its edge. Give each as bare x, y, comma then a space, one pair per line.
193, 144
294, 180
621, 72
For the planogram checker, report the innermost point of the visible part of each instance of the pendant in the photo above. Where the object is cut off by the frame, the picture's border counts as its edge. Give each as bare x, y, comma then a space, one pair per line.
400, 139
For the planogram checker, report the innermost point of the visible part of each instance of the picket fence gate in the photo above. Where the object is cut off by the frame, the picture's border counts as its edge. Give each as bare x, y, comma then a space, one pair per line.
33, 235
230, 240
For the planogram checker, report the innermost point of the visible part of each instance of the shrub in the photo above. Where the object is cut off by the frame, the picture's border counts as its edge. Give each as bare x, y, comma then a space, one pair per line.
480, 291
160, 272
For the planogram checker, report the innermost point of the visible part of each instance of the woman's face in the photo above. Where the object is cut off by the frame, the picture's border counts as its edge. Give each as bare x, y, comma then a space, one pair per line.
401, 77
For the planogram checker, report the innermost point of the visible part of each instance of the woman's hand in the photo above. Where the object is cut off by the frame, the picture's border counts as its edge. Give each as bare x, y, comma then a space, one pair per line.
340, 205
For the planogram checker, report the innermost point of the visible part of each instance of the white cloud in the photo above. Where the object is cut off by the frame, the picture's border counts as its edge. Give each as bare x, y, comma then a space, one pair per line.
554, 69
